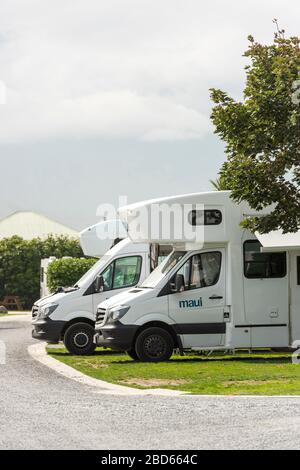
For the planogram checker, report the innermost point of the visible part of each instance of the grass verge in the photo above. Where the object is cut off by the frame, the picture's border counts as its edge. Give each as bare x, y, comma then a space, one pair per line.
12, 314
259, 373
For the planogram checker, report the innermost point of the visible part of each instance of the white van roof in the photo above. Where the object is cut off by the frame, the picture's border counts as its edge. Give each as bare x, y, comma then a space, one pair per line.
192, 198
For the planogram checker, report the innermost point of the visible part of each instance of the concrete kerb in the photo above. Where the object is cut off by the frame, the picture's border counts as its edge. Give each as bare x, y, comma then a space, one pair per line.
38, 352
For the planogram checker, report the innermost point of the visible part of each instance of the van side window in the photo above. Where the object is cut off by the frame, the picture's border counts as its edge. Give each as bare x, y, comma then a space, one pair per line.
185, 271
107, 276
260, 265
202, 270
205, 217
123, 272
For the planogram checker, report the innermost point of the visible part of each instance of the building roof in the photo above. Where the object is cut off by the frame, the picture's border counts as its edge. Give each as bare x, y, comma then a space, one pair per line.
29, 225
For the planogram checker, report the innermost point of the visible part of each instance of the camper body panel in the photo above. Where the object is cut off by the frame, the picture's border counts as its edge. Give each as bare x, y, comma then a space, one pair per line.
98, 239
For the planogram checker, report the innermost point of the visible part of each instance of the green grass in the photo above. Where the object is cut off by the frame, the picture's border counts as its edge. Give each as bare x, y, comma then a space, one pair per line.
10, 314
260, 373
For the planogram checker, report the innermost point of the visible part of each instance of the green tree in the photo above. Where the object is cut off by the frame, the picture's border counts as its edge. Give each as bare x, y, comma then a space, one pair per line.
262, 134
219, 184
60, 246
20, 262
67, 271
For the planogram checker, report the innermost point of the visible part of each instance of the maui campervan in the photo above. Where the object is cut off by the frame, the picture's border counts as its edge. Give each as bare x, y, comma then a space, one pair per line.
224, 292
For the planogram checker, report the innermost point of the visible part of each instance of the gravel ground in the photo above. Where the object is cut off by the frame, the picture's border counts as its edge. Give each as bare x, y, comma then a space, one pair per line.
43, 410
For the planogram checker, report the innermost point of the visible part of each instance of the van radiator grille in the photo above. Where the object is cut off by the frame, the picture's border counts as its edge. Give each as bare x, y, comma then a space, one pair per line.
100, 315
34, 311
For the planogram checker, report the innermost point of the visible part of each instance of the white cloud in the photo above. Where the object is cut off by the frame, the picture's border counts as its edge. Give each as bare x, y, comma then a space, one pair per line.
123, 68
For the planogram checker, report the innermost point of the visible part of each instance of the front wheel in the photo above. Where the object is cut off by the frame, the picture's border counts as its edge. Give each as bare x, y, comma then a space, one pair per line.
78, 339
131, 353
154, 345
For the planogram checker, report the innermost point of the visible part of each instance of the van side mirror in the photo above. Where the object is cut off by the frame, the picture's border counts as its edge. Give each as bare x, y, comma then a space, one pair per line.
99, 284
178, 284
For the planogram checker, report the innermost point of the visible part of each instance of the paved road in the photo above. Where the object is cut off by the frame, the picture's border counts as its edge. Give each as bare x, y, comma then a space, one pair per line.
40, 409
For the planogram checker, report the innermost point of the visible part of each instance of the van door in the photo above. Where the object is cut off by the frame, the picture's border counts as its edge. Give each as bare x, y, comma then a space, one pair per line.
265, 296
120, 275
295, 295
199, 310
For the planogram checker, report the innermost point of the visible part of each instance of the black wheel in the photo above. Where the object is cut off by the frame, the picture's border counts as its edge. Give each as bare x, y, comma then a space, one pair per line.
78, 339
131, 353
154, 345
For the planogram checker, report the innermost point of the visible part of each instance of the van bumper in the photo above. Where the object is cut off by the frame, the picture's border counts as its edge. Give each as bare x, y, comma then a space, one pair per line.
48, 330
117, 336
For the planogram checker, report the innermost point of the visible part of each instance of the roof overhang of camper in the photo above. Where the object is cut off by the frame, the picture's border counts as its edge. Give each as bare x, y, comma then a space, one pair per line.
278, 241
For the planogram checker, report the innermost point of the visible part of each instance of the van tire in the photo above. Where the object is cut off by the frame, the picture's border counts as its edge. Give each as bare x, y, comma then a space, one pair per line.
154, 344
78, 339
132, 353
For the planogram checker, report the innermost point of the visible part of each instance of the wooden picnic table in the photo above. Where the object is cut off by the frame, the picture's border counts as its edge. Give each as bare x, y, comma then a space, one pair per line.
12, 302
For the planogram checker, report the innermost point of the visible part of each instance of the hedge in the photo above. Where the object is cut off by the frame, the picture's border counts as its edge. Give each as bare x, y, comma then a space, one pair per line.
67, 271
20, 262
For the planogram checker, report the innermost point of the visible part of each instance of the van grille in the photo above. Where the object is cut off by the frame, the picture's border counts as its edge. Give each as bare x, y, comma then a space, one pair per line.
34, 311
100, 315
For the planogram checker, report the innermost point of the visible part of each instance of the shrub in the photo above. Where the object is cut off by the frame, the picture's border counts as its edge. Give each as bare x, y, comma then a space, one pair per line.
67, 271
20, 262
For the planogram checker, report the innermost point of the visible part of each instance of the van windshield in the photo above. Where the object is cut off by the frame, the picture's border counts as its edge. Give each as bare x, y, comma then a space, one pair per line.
163, 269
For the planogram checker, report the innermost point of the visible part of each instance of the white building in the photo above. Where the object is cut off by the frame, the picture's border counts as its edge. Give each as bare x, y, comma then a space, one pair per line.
29, 225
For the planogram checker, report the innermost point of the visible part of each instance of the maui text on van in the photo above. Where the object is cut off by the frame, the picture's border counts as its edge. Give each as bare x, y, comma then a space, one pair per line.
69, 314
227, 294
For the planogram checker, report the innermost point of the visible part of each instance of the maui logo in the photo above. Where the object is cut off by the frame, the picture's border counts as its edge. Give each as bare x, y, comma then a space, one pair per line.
190, 303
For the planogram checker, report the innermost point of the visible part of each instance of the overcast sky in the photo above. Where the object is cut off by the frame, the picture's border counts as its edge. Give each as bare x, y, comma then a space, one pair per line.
110, 97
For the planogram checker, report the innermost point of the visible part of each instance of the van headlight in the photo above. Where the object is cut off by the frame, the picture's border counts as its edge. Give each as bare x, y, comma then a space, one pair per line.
118, 312
46, 310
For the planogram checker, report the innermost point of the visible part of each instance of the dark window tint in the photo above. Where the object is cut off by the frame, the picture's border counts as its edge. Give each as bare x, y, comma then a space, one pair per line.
205, 217
259, 265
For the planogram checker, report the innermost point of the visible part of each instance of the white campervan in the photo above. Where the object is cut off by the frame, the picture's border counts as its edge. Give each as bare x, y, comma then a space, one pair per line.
69, 314
226, 294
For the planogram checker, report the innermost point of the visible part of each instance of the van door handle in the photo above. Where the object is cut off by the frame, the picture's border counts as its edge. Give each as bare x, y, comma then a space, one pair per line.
213, 297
